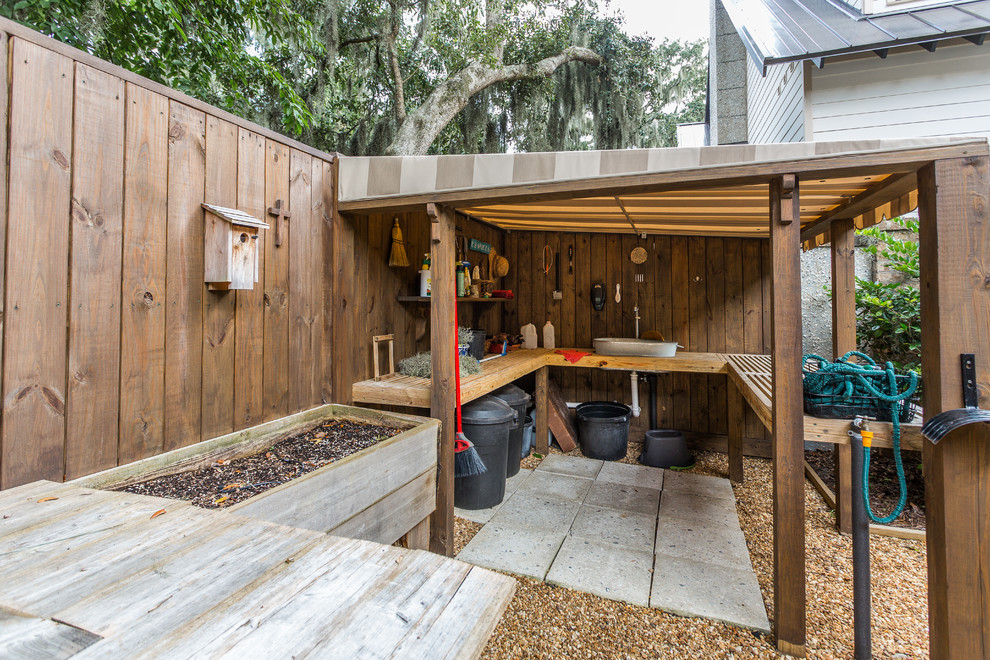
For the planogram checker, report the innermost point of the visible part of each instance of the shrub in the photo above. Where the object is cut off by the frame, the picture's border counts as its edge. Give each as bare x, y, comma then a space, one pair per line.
888, 314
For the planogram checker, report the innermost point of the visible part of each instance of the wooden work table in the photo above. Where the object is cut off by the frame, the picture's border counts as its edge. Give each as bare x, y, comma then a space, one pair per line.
399, 390
749, 374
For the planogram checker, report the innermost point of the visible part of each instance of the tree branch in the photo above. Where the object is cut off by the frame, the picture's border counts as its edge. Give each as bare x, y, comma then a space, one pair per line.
393, 56
424, 124
359, 40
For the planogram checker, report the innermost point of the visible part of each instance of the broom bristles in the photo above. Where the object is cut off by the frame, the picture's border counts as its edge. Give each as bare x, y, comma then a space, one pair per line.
397, 257
467, 462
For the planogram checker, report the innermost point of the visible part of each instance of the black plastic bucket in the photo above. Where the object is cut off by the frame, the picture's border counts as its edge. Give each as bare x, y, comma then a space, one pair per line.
603, 429
477, 350
665, 448
487, 422
518, 400
529, 434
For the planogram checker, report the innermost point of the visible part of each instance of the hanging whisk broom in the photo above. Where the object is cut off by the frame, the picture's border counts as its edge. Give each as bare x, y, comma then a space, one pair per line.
398, 255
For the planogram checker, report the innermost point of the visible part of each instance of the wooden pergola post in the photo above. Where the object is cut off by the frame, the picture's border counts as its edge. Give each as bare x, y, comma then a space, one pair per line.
955, 314
843, 341
443, 343
788, 416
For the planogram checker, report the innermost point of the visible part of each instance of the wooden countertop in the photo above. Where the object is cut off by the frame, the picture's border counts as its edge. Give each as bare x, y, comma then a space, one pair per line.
415, 392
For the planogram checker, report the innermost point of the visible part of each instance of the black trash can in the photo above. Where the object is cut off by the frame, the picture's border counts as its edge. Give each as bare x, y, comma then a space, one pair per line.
518, 400
665, 448
603, 429
477, 350
487, 422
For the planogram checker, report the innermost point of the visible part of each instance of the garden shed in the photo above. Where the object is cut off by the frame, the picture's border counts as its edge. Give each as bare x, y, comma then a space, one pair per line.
723, 227
115, 349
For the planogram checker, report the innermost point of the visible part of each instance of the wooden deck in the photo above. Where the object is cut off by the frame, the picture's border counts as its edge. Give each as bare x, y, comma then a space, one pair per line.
87, 573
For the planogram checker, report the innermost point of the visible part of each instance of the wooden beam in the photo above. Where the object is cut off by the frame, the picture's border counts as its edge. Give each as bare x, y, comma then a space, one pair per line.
843, 340
788, 424
626, 213
443, 343
344, 326
887, 190
955, 308
876, 163
735, 414
542, 419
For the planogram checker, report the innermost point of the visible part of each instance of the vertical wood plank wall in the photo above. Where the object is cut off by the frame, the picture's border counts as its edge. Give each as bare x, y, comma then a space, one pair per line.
113, 348
706, 293
377, 311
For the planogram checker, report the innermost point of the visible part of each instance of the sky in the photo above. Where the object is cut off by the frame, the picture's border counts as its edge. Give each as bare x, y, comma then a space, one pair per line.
670, 19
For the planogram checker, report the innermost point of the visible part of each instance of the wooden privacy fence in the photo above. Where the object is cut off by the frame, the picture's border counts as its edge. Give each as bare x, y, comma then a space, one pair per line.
113, 348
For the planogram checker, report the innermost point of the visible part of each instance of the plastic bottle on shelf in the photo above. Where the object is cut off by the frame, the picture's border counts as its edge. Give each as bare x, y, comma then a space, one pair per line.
460, 280
549, 336
528, 333
424, 277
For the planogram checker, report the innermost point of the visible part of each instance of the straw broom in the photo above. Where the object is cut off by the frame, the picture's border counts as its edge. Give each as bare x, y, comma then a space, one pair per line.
397, 257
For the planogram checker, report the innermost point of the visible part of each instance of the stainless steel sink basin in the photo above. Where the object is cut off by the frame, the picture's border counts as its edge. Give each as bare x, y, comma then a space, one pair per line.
638, 347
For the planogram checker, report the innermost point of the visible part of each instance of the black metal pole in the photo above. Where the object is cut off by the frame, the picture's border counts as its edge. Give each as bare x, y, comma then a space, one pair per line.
651, 379
863, 648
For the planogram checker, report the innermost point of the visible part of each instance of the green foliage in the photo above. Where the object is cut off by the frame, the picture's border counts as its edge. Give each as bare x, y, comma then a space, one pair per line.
888, 320
321, 70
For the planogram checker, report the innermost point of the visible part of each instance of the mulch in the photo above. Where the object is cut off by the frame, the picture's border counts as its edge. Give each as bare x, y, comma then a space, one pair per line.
884, 490
224, 483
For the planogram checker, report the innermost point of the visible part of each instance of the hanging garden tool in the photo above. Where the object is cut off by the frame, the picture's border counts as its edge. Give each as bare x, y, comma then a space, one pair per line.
467, 462
947, 421
397, 257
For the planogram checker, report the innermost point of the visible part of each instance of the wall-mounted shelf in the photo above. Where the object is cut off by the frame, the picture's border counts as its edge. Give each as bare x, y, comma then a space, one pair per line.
468, 300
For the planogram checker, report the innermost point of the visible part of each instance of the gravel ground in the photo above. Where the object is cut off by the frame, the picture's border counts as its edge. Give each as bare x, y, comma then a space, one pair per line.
552, 622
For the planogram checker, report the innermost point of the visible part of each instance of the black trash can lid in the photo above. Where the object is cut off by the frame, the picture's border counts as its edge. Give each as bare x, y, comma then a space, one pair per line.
512, 395
487, 410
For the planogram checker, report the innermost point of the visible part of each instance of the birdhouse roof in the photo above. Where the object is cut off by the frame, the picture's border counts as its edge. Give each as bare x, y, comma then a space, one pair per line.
235, 217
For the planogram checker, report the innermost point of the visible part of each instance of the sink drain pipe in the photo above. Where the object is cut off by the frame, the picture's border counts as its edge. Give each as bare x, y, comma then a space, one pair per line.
634, 386
651, 379
862, 644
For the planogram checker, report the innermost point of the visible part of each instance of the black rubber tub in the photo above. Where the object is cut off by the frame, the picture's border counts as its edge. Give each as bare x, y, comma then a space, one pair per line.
603, 429
517, 399
487, 422
665, 448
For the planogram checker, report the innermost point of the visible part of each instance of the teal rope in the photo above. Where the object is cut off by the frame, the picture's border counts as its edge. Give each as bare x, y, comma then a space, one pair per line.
849, 381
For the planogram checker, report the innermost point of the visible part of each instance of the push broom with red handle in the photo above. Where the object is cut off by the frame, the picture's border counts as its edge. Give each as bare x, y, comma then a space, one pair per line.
467, 462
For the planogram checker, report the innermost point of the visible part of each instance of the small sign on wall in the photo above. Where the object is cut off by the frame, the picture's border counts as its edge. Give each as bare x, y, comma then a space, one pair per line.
480, 246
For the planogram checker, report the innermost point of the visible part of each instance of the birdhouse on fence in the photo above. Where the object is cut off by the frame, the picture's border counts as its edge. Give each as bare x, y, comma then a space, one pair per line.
231, 248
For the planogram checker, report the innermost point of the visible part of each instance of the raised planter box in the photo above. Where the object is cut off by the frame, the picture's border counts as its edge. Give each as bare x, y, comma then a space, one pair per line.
378, 494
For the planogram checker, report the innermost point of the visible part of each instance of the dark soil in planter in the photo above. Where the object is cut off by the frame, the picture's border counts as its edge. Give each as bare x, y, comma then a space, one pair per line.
228, 482
884, 490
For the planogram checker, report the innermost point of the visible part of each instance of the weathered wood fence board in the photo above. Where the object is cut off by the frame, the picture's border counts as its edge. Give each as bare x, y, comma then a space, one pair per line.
142, 365
114, 349
94, 273
37, 265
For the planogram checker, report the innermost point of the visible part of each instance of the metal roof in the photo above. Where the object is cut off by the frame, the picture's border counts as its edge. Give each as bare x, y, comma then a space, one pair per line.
778, 31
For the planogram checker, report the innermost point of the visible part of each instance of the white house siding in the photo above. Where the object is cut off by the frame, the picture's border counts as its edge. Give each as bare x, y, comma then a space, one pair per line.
913, 93
775, 103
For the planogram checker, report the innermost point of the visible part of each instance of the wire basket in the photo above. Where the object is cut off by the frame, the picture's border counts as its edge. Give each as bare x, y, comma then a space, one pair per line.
838, 405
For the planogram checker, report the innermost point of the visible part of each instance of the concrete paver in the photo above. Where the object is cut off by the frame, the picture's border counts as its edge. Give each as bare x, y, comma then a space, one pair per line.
698, 507
513, 547
635, 531
632, 475
697, 588
636, 499
632, 533
550, 484
604, 570
574, 466
698, 484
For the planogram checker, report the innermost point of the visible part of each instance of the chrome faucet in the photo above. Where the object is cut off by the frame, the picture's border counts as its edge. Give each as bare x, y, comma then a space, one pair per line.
636, 311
